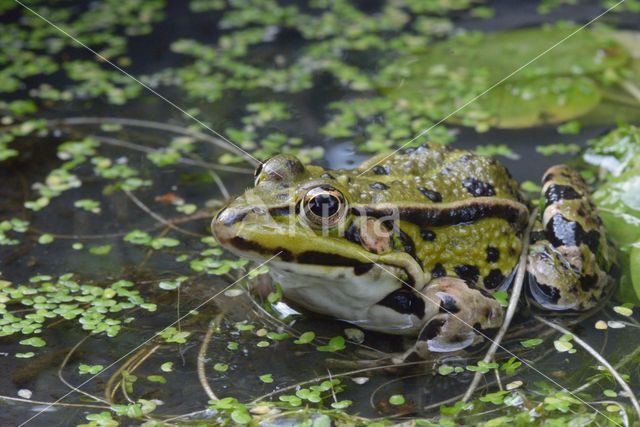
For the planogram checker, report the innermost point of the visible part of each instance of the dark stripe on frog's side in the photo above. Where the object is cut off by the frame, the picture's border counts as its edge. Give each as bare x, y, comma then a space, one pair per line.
468, 210
333, 260
361, 269
249, 246
321, 258
309, 257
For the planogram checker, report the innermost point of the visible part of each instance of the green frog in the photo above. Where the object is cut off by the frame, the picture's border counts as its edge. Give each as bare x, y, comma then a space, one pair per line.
415, 243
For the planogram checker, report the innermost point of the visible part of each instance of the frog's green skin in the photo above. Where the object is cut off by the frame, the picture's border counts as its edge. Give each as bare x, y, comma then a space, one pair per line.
418, 241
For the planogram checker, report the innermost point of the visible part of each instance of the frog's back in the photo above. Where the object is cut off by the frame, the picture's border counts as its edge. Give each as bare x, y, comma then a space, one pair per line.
433, 175
463, 212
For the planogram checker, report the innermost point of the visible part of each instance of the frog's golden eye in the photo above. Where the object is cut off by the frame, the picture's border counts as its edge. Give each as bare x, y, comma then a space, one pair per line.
323, 206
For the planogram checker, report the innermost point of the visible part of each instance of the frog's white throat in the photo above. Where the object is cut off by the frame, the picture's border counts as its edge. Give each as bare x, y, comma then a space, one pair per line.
341, 293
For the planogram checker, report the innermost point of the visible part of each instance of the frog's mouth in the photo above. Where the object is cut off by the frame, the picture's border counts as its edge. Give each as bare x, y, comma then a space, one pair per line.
250, 233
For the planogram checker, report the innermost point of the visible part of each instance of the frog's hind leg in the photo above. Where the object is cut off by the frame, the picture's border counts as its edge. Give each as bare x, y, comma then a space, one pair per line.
570, 261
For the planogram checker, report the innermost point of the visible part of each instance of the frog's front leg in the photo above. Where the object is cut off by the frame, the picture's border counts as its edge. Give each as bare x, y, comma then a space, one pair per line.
570, 261
462, 312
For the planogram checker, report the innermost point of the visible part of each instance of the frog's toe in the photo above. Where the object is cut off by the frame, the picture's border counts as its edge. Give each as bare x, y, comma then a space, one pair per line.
559, 281
550, 279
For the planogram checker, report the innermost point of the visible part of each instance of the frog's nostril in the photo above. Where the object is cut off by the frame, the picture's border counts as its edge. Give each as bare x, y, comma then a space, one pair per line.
230, 216
224, 223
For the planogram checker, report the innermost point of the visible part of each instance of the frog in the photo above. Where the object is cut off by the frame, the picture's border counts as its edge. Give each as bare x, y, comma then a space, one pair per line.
418, 242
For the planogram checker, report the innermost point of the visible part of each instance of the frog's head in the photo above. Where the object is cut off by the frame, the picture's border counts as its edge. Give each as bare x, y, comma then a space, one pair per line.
324, 247
289, 211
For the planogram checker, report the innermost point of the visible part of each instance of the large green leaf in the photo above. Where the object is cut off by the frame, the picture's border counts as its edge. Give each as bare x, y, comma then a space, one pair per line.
559, 50
559, 85
618, 199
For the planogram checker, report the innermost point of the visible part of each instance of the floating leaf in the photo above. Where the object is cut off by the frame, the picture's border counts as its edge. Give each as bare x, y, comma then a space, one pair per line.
306, 338
89, 369
221, 367
397, 399
157, 379
563, 346
266, 378
100, 250
241, 416
335, 344
623, 311
26, 355
533, 342
34, 342
342, 404
445, 369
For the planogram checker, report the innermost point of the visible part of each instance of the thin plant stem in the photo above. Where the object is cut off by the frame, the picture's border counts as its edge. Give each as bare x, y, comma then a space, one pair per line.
511, 309
158, 217
109, 390
65, 405
135, 365
343, 374
116, 142
626, 359
64, 364
202, 355
148, 124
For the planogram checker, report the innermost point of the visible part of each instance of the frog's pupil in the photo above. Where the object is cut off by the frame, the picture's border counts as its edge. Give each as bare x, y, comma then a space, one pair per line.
324, 205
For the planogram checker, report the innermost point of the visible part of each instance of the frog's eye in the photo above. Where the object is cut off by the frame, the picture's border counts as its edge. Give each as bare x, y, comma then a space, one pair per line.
323, 206
283, 167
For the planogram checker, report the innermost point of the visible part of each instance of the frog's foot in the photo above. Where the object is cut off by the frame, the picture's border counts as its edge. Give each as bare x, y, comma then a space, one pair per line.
570, 262
463, 312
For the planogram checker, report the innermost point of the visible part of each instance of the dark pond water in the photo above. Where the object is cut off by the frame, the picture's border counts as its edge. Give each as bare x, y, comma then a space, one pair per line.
287, 362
